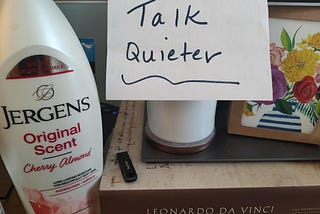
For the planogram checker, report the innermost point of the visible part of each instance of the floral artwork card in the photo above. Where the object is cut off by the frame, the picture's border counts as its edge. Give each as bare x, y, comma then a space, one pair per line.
293, 113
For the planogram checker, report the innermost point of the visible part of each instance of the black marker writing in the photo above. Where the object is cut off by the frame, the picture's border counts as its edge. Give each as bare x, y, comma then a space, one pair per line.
135, 53
158, 18
143, 5
179, 82
191, 17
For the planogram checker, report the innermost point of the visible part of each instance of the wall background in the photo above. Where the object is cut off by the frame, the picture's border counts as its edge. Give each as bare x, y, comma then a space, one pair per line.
89, 20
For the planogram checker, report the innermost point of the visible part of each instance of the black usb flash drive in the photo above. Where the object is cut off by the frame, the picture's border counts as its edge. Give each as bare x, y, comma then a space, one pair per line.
128, 172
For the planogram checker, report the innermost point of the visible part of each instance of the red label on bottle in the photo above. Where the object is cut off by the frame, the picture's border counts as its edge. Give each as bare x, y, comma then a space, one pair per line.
38, 66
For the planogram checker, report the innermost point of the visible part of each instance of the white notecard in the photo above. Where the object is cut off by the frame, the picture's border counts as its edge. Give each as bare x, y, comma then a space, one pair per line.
188, 50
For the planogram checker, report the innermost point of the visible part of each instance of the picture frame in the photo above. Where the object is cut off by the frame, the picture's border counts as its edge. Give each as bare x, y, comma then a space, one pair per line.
274, 119
235, 127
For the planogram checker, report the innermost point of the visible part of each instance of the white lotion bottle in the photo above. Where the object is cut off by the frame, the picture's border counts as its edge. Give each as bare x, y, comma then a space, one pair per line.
50, 119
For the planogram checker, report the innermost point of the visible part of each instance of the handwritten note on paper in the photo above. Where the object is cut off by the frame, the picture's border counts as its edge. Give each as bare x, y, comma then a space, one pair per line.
188, 50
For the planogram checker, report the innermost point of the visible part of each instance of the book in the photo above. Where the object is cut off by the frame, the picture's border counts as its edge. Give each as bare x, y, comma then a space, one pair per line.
202, 188
294, 3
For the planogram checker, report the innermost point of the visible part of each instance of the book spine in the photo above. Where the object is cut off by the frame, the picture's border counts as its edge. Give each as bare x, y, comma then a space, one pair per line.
276, 200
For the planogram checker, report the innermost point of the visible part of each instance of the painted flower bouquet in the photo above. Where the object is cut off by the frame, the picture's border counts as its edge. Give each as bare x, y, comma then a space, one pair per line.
295, 71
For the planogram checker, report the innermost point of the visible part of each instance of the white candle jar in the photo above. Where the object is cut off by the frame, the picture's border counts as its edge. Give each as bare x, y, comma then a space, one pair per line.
180, 126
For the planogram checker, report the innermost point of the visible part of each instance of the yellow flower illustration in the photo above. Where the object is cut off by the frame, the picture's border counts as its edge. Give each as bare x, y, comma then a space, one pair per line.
295, 69
312, 41
300, 63
247, 111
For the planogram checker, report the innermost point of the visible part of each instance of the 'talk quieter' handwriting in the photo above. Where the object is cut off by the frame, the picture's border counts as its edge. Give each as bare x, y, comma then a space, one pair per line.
135, 53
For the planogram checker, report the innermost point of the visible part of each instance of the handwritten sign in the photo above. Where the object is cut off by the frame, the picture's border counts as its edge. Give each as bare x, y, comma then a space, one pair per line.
188, 50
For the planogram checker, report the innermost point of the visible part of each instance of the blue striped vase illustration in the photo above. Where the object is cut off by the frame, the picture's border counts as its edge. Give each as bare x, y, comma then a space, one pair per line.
277, 120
